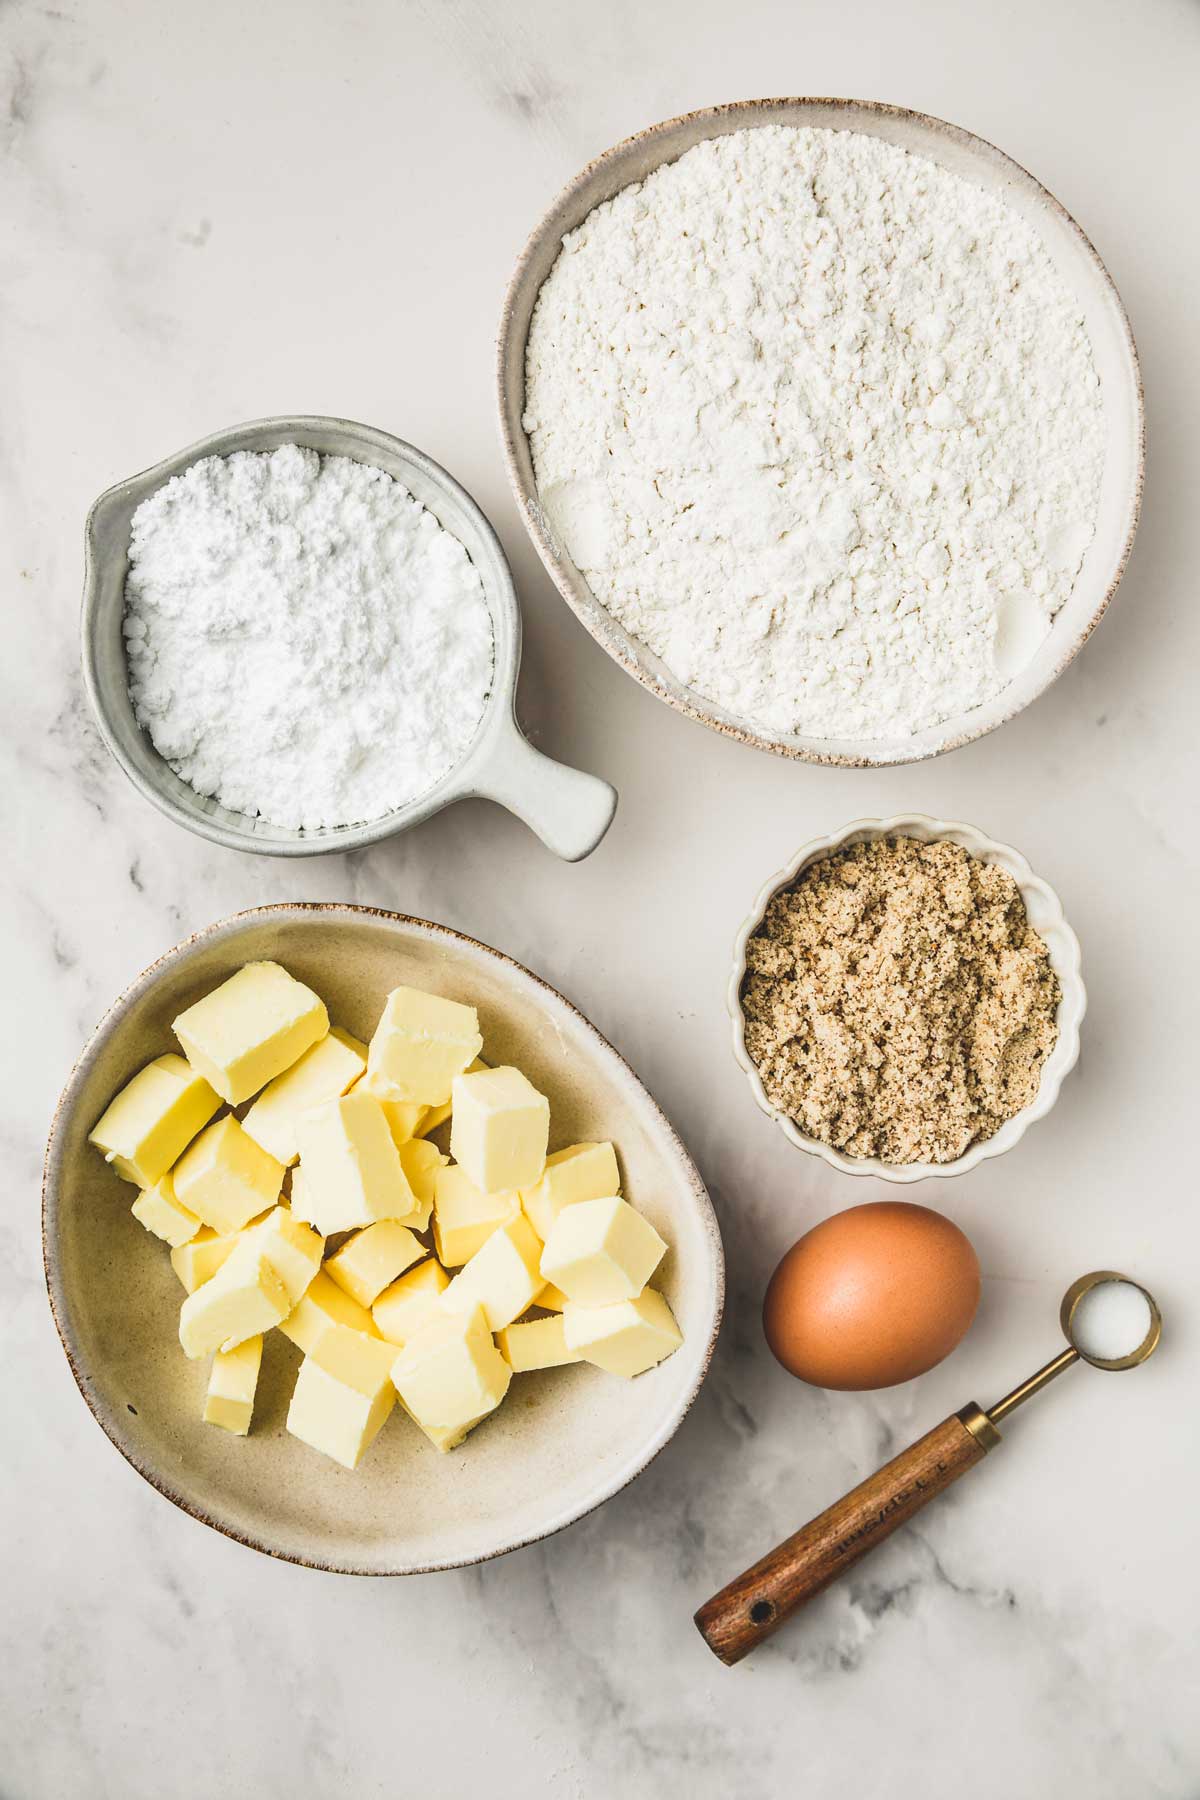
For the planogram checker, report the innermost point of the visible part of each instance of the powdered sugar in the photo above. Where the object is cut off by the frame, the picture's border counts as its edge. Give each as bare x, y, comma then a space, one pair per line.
818, 422
305, 641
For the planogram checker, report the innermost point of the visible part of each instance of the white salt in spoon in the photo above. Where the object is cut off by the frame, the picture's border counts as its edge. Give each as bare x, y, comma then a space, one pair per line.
1108, 1321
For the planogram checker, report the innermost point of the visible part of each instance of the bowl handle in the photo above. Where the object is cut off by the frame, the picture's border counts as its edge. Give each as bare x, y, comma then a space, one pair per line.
569, 810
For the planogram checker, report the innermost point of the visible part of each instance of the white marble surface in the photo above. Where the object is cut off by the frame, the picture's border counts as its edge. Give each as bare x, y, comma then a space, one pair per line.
220, 211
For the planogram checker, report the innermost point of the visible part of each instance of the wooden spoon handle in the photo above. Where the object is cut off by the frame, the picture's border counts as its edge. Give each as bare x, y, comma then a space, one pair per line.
753, 1606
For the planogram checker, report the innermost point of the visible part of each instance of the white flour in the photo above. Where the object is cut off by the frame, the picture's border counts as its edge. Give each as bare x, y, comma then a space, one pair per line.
818, 422
305, 641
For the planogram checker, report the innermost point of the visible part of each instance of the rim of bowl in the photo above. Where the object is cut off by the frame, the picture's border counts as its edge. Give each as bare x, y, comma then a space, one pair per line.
621, 644
1067, 966
505, 614
58, 1300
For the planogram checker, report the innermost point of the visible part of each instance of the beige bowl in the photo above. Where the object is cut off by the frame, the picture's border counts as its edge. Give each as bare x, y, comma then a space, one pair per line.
1076, 261
1045, 915
564, 1441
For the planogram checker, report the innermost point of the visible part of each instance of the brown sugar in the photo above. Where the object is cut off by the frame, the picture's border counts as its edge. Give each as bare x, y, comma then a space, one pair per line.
898, 1003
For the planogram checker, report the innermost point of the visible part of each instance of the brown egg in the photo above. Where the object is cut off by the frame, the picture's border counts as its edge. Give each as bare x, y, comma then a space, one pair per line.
872, 1296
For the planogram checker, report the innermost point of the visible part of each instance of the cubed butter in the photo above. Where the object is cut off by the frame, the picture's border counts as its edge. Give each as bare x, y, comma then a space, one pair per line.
551, 1297
421, 1043
625, 1339
410, 1301
198, 1260
536, 1344
421, 1161
404, 1118
231, 1384
502, 1277
463, 1218
153, 1119
250, 1029
601, 1251
158, 1209
442, 1437
328, 1069
293, 1249
499, 1129
225, 1178
584, 1172
244, 1297
372, 1258
352, 1173
343, 1394
324, 1305
437, 1115
450, 1374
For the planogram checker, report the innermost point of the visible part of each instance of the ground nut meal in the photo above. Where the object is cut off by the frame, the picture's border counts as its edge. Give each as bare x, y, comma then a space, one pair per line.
898, 1003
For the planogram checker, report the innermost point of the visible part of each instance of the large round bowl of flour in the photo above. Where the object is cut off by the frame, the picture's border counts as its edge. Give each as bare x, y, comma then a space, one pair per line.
826, 419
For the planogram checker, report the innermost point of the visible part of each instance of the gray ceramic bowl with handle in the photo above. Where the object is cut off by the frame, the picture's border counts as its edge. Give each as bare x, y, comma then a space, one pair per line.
569, 810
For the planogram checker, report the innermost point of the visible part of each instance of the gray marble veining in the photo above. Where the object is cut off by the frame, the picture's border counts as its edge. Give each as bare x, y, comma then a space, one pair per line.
224, 212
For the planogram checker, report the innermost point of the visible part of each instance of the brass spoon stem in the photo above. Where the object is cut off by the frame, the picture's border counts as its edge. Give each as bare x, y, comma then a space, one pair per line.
1034, 1385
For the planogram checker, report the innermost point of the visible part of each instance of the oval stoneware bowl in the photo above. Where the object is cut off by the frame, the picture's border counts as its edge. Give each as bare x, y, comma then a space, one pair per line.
564, 1441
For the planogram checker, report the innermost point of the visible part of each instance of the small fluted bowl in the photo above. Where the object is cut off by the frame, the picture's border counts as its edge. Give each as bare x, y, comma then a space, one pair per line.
1045, 915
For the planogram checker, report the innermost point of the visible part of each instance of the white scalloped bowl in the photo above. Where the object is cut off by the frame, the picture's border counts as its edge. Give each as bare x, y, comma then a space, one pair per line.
1045, 915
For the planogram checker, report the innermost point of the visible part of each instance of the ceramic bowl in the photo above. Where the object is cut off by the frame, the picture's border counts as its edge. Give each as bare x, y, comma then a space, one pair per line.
1045, 915
1078, 264
564, 1440
569, 810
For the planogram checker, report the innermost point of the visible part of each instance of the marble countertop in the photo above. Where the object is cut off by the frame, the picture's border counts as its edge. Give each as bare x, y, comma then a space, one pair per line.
214, 213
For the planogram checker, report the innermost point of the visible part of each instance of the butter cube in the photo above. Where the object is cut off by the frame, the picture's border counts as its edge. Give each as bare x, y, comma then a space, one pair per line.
551, 1297
160, 1212
368, 1261
250, 1029
244, 1297
404, 1118
352, 1169
450, 1374
502, 1277
536, 1344
332, 1065
584, 1172
231, 1384
421, 1043
625, 1339
421, 1161
499, 1129
601, 1251
198, 1260
225, 1178
153, 1119
410, 1302
323, 1306
437, 1115
343, 1395
463, 1218
293, 1249
443, 1437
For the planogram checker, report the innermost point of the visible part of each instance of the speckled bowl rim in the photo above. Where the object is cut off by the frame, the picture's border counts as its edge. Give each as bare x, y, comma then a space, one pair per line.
1061, 941
57, 1296
595, 617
